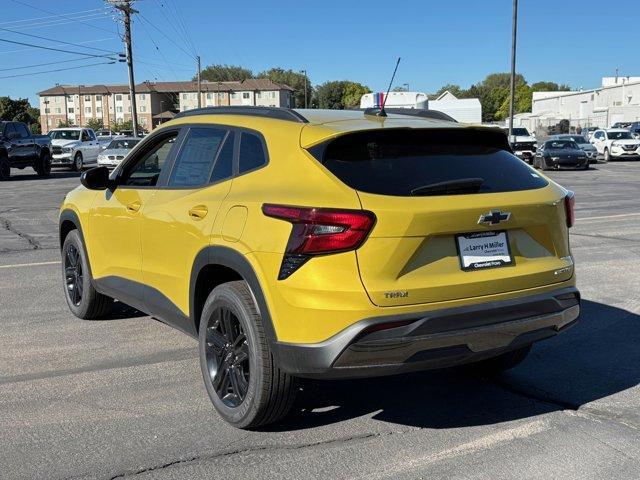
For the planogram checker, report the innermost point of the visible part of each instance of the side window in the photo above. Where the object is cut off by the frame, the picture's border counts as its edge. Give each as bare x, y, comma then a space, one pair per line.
195, 160
147, 169
85, 136
22, 130
9, 129
92, 136
252, 154
223, 168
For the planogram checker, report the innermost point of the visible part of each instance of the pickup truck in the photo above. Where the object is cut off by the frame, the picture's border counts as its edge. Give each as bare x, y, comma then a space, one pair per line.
20, 149
522, 143
74, 147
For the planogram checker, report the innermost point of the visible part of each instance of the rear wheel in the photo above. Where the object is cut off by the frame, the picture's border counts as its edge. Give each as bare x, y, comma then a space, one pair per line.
83, 300
495, 365
244, 384
543, 164
607, 155
43, 166
77, 162
5, 168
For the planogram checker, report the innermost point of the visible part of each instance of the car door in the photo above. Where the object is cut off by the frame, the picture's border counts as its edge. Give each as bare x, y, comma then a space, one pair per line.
598, 141
113, 236
89, 152
26, 145
12, 144
178, 221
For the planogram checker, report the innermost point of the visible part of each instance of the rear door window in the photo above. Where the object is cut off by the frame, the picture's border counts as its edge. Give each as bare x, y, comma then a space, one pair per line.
412, 162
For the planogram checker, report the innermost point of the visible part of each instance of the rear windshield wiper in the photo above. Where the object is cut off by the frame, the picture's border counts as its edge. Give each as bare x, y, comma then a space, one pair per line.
453, 187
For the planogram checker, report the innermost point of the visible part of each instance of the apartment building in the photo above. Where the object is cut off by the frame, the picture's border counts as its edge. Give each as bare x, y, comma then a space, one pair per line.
77, 104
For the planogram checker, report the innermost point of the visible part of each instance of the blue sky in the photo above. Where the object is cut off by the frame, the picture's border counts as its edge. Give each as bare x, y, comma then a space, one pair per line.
439, 42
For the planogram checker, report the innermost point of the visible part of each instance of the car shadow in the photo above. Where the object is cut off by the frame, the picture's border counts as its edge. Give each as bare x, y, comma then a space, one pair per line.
595, 359
30, 175
122, 311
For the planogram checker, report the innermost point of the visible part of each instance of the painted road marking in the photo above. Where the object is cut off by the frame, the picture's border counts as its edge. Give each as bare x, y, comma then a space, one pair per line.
37, 264
604, 217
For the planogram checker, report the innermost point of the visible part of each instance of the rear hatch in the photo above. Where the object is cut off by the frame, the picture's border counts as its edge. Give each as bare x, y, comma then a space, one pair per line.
458, 215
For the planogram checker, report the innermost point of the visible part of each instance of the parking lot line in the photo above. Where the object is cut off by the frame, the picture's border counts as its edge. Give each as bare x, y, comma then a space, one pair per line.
36, 264
603, 217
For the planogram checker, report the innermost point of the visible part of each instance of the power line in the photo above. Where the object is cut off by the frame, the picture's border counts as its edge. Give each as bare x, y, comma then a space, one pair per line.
55, 40
57, 21
184, 28
161, 9
28, 49
49, 16
166, 36
53, 49
66, 17
43, 64
57, 70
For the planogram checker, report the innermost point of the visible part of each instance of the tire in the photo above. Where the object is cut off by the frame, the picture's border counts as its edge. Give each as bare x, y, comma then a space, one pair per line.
5, 168
543, 164
607, 155
77, 162
83, 300
501, 363
244, 384
586, 165
43, 166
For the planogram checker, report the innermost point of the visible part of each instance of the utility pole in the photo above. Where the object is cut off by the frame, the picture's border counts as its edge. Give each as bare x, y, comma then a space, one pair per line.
199, 84
125, 7
514, 32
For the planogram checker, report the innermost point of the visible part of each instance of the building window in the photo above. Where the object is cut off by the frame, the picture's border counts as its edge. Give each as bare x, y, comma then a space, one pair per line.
58, 110
87, 98
119, 109
245, 95
129, 97
184, 96
70, 99
220, 95
57, 99
87, 110
143, 120
98, 109
272, 94
47, 110
234, 95
129, 109
143, 108
258, 94
98, 98
143, 96
118, 98
71, 110
208, 96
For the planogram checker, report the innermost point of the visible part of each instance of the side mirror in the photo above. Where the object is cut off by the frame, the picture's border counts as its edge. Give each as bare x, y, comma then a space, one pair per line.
96, 178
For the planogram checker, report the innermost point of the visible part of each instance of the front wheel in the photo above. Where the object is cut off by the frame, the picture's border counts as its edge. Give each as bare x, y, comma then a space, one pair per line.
544, 165
607, 155
5, 169
83, 300
77, 162
244, 384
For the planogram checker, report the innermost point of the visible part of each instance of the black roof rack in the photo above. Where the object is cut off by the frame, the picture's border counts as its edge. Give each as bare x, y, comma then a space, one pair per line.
412, 112
267, 112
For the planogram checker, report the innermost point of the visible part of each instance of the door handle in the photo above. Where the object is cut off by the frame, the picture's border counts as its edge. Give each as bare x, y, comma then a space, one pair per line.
133, 207
199, 212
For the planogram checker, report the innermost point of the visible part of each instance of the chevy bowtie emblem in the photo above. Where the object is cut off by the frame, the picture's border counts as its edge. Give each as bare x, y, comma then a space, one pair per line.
494, 217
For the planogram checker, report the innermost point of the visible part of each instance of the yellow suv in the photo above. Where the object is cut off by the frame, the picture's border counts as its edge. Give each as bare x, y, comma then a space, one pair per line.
326, 244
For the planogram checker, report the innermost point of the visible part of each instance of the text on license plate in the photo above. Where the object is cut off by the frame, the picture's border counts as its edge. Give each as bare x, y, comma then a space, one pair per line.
483, 250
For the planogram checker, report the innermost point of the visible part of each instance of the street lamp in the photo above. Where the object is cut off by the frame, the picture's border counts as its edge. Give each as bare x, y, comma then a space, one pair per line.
514, 31
304, 72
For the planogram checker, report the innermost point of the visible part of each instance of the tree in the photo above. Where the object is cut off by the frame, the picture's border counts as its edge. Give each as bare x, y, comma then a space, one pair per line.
295, 80
63, 124
331, 94
549, 87
352, 94
450, 87
522, 102
94, 124
225, 73
126, 125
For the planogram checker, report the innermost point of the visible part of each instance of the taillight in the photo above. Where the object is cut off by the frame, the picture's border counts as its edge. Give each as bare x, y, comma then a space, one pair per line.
569, 206
319, 231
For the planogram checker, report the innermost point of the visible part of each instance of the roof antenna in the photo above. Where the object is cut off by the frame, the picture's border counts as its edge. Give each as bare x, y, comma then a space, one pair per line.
382, 113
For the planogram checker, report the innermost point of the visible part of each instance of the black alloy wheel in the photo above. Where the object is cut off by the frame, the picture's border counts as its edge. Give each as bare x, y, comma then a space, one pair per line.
5, 169
227, 356
73, 275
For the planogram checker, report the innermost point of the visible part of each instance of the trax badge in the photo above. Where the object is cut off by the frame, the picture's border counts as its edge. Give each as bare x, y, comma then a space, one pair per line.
494, 217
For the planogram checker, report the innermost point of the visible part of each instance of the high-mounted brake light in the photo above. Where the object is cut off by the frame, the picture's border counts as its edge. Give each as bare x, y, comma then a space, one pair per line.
569, 207
319, 231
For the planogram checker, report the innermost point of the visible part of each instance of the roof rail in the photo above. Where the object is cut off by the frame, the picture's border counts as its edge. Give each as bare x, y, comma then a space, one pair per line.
412, 112
267, 112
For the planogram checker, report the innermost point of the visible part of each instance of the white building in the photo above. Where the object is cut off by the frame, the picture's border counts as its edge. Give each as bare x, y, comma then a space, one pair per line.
464, 110
395, 100
617, 100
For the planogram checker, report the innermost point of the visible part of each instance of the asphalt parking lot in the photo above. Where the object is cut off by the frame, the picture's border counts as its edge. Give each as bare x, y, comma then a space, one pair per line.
124, 397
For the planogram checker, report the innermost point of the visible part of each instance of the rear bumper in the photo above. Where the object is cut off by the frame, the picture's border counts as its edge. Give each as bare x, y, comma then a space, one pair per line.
435, 339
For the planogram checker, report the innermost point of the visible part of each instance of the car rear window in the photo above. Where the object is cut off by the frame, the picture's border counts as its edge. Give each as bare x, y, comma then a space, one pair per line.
402, 162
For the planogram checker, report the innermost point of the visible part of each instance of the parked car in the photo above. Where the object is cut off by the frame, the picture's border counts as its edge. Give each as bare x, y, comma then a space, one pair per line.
20, 149
74, 147
622, 125
116, 150
560, 153
588, 132
522, 143
584, 145
634, 128
616, 143
299, 243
